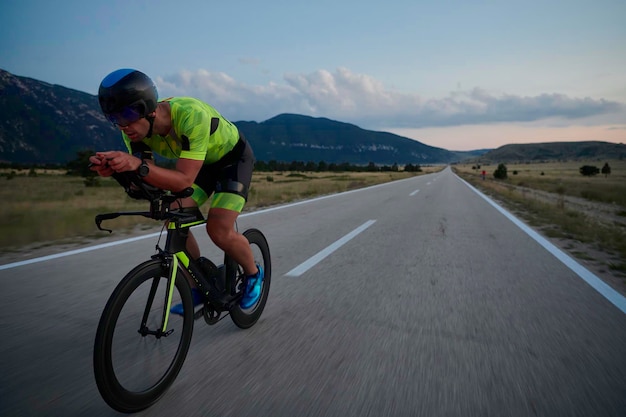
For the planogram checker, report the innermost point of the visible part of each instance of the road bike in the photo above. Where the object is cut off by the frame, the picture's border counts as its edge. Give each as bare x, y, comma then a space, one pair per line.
140, 346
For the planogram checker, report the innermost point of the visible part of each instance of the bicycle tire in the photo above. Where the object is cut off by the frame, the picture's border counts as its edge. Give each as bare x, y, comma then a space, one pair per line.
246, 318
118, 337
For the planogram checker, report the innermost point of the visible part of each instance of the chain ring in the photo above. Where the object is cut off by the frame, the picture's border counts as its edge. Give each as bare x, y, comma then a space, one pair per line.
211, 315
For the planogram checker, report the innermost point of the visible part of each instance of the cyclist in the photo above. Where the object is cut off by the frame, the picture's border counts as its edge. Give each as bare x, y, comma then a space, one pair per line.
212, 157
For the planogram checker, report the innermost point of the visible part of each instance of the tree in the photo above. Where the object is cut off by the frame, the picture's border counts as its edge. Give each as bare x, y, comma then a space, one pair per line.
371, 167
260, 166
606, 169
589, 170
80, 166
412, 168
500, 172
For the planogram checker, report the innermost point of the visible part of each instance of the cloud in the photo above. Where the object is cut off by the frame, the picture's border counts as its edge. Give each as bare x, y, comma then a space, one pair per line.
358, 98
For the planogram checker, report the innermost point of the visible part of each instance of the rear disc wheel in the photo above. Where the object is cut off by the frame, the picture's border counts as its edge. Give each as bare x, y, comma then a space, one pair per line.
245, 318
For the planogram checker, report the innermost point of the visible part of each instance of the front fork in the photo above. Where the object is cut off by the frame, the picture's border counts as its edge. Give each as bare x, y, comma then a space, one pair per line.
171, 281
171, 263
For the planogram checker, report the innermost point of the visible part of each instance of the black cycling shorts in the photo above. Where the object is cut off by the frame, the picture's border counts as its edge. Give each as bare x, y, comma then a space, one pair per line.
229, 178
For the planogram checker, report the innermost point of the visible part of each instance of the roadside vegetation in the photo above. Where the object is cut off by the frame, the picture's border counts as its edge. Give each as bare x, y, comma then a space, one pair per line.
564, 200
44, 206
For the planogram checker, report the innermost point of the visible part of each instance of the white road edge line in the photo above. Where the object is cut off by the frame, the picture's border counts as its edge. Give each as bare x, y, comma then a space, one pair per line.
317, 258
590, 278
75, 252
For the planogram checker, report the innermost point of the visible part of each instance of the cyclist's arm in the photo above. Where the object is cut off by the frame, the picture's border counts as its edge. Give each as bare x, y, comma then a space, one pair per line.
175, 180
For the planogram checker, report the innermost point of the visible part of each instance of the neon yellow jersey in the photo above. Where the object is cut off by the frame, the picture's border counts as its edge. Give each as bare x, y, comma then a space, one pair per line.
198, 132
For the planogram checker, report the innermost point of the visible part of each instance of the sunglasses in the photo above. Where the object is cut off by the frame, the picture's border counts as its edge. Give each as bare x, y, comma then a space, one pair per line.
126, 116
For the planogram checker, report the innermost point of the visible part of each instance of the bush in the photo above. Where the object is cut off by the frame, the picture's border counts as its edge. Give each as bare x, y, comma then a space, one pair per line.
500, 172
589, 170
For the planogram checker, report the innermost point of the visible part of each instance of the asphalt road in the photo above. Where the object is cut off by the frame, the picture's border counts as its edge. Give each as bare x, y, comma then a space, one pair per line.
423, 300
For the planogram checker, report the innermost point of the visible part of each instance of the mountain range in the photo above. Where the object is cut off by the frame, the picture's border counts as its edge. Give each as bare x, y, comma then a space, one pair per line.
549, 151
48, 124
45, 123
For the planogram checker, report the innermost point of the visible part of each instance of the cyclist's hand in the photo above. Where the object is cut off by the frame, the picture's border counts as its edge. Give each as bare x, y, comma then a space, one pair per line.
100, 165
120, 161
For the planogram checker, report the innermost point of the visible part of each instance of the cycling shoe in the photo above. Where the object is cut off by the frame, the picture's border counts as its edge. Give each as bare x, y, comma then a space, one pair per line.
253, 289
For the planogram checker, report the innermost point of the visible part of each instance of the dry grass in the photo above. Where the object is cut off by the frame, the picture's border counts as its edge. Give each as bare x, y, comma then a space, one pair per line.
51, 207
591, 210
565, 178
280, 187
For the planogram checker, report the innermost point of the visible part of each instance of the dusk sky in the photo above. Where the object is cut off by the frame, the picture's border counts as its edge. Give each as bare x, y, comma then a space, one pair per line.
459, 75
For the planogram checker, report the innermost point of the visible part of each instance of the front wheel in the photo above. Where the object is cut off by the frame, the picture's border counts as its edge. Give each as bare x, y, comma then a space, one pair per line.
135, 359
245, 318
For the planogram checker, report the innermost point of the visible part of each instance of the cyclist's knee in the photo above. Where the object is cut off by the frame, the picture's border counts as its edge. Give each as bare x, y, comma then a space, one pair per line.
219, 230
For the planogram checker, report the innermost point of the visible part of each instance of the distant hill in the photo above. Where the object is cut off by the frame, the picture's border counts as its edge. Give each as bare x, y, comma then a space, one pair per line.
45, 123
292, 137
533, 152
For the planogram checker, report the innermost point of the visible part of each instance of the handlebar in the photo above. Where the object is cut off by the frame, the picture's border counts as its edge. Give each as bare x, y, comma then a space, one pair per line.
160, 201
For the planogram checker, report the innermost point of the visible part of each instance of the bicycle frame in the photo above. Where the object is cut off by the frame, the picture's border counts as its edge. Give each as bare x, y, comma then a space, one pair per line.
174, 255
175, 249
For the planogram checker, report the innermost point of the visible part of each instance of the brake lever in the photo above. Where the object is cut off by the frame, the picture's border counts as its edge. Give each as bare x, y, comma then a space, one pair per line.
101, 217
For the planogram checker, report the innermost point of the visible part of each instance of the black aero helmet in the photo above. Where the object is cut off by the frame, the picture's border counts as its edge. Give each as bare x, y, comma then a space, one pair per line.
127, 95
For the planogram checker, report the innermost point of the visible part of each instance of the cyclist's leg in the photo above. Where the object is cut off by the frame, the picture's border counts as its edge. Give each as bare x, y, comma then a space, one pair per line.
221, 229
230, 197
192, 247
228, 201
190, 202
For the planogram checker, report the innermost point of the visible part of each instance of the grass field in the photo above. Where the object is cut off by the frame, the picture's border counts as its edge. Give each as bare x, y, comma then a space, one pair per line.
565, 178
555, 216
43, 209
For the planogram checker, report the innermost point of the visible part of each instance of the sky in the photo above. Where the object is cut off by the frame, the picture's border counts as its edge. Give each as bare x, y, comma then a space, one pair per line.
455, 74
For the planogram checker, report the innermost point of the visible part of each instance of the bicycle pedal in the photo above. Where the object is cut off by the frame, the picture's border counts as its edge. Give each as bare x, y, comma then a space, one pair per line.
198, 314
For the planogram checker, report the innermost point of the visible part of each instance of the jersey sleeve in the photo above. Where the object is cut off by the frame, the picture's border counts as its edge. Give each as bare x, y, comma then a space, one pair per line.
202, 133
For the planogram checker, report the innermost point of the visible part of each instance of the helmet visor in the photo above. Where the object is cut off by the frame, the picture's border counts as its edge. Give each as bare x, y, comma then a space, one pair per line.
126, 116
